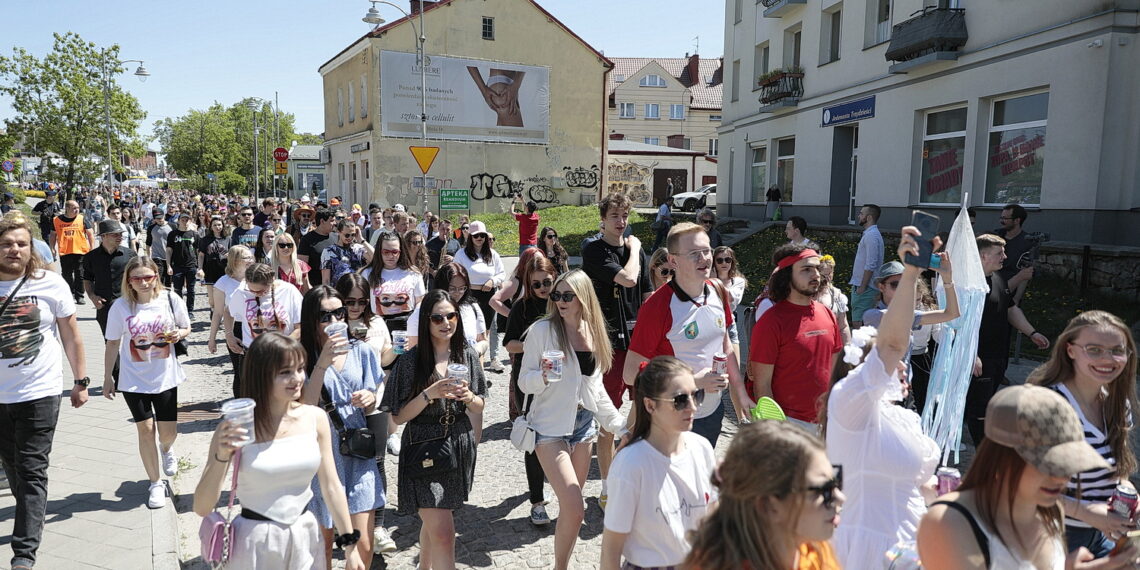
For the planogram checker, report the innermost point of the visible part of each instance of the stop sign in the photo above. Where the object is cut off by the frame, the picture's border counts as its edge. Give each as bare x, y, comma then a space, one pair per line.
280, 154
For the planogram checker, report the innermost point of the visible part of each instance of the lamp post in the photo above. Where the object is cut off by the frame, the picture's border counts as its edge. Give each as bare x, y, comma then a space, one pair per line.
253, 103
373, 17
142, 74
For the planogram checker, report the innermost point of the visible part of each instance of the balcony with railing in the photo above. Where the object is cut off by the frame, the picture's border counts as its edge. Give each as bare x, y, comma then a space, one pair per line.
933, 35
781, 88
777, 8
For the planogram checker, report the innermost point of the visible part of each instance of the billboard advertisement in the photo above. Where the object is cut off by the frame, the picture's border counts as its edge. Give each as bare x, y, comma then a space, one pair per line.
467, 99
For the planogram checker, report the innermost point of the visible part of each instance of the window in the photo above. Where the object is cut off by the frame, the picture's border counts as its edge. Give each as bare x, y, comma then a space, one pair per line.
365, 187
714, 147
714, 117
785, 167
653, 140
739, 11
652, 80
687, 143
760, 62
793, 37
1016, 155
759, 173
352, 179
340, 171
878, 21
488, 28
626, 110
363, 97
340, 107
829, 35
943, 155
736, 80
652, 111
351, 102
619, 78
676, 111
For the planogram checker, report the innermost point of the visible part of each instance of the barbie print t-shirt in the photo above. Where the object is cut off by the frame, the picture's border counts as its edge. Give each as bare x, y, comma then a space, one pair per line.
147, 363
397, 292
277, 311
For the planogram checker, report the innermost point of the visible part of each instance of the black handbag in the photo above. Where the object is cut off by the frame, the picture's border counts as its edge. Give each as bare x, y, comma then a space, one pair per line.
180, 346
431, 456
356, 442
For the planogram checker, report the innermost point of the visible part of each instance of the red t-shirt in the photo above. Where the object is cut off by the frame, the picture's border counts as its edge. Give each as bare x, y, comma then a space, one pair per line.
528, 228
799, 341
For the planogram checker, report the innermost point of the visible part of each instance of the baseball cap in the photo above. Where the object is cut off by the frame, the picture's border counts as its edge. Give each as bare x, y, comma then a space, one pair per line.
50, 192
888, 269
1044, 430
476, 228
9, 195
399, 208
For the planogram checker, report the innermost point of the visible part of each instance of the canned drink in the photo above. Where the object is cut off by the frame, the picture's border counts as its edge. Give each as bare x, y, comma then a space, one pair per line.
554, 358
948, 480
1124, 500
720, 363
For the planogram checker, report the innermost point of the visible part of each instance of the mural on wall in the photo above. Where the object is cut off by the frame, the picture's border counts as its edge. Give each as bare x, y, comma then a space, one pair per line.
487, 186
581, 177
633, 180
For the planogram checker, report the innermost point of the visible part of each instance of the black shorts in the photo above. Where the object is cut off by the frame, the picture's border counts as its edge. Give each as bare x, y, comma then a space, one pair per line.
162, 406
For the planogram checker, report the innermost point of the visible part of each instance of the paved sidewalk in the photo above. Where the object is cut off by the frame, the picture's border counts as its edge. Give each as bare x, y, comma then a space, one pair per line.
97, 488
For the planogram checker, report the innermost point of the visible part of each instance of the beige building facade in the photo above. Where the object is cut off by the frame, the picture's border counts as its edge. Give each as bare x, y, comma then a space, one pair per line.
516, 103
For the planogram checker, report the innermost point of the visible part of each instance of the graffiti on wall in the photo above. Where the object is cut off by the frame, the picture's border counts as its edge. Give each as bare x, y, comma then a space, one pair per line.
580, 177
633, 180
487, 186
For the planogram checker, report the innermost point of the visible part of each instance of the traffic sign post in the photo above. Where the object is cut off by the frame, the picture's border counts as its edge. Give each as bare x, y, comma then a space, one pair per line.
8, 165
281, 168
454, 199
280, 154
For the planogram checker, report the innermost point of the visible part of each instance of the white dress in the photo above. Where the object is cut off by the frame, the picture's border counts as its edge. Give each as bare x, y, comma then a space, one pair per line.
885, 458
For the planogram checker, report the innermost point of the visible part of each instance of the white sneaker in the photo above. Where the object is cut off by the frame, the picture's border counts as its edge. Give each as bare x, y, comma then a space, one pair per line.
394, 444
169, 463
382, 541
157, 497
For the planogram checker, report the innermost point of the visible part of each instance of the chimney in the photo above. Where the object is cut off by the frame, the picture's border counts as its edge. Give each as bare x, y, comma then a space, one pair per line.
416, 5
694, 68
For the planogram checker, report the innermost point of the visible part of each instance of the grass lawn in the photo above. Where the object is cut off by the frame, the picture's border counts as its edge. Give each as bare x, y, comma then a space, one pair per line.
573, 224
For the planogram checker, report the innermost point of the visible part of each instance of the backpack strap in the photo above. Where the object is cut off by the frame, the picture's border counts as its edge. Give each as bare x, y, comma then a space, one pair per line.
979, 534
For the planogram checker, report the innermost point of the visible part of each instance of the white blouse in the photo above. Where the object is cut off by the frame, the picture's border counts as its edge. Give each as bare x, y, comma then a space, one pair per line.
480, 272
886, 458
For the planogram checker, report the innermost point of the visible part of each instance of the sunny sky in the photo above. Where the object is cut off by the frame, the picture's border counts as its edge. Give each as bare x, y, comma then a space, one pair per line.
212, 50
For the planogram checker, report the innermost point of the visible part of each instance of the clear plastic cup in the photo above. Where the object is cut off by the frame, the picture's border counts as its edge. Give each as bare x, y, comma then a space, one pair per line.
458, 374
338, 329
554, 357
399, 341
240, 412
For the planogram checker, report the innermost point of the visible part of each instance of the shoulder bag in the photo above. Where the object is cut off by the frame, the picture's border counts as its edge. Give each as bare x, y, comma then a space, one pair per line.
217, 532
522, 435
433, 456
12, 295
356, 442
180, 346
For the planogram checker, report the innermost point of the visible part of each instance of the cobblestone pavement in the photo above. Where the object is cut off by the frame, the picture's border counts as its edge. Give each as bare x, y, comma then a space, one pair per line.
494, 529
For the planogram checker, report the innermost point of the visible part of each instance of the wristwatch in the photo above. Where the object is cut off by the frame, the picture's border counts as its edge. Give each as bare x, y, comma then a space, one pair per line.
85, 381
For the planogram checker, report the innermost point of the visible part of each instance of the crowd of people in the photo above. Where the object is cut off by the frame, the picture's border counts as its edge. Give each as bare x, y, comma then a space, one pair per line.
357, 333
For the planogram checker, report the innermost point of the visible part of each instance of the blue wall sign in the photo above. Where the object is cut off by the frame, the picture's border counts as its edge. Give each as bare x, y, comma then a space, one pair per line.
849, 112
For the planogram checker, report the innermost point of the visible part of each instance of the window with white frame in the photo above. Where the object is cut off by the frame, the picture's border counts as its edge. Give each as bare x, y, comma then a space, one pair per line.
793, 45
352, 178
351, 102
340, 106
736, 80
652, 80
714, 147
786, 167
739, 11
760, 56
714, 117
363, 97
829, 34
653, 140
364, 175
625, 110
878, 21
943, 156
759, 173
1015, 159
676, 112
652, 111
341, 178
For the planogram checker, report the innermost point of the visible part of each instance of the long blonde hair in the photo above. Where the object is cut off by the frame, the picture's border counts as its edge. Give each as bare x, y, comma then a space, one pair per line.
233, 257
291, 260
1121, 398
583, 288
129, 293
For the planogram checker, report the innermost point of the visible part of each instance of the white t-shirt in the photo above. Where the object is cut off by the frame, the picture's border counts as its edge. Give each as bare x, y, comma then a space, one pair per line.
227, 285
31, 356
280, 311
147, 364
399, 288
658, 500
473, 322
480, 272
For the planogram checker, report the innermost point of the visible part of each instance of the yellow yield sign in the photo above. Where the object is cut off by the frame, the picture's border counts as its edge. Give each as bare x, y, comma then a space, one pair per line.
425, 156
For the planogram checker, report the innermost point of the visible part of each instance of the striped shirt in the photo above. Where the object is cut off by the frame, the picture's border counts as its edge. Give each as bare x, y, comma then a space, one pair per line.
1096, 486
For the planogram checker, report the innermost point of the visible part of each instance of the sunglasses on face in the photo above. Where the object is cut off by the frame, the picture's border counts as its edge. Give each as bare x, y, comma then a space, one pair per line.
892, 284
258, 292
339, 314
464, 228
551, 236
457, 290
417, 242
260, 331
479, 236
563, 297
355, 302
666, 272
827, 490
285, 246
681, 401
247, 213
724, 260
390, 252
541, 284
148, 345
438, 318
143, 278
276, 219
398, 300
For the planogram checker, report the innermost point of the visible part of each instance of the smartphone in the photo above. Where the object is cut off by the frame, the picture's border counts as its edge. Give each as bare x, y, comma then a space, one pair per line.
927, 225
1131, 537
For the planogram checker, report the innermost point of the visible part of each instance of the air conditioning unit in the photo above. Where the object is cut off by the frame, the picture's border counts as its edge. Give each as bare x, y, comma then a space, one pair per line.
326, 156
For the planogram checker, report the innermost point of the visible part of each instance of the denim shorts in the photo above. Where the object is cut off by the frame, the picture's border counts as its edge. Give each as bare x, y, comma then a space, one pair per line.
585, 431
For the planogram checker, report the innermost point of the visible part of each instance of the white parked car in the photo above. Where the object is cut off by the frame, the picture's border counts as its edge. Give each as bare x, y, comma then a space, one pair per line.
702, 197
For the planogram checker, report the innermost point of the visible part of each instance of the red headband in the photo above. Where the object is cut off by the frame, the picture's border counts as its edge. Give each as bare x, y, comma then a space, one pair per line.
792, 259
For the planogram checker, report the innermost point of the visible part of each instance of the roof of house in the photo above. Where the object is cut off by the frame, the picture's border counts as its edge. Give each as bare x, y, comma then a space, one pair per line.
625, 146
306, 152
705, 90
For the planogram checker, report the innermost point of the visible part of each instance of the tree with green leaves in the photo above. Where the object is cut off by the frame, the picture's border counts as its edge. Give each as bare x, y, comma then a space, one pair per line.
61, 98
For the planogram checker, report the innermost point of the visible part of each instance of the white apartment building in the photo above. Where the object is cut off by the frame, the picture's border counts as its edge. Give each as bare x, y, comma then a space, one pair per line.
911, 104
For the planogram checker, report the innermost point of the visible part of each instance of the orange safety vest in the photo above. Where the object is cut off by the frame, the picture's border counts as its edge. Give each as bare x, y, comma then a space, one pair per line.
71, 236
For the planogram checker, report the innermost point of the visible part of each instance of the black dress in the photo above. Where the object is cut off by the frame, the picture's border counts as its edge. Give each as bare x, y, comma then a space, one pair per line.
445, 490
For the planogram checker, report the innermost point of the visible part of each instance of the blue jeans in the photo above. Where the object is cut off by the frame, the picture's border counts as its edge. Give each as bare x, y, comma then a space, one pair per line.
28, 429
584, 431
1090, 538
708, 427
523, 248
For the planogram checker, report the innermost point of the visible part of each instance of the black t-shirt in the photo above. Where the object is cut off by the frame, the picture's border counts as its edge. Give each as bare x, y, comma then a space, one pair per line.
602, 262
214, 251
993, 337
47, 213
434, 247
522, 316
183, 248
242, 236
105, 270
312, 246
1015, 248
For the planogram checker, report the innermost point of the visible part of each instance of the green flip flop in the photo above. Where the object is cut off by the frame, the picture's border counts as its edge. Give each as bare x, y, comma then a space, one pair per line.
767, 409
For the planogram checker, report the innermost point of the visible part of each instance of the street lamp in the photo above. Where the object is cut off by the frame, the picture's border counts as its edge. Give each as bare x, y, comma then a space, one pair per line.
142, 74
374, 18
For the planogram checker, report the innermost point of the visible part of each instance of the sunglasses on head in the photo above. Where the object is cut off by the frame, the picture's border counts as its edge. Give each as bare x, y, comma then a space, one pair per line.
827, 490
541, 284
681, 401
355, 302
563, 297
438, 318
339, 313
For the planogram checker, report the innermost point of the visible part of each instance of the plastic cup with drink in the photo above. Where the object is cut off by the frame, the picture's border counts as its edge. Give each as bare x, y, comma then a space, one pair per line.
399, 341
552, 364
458, 375
338, 329
239, 411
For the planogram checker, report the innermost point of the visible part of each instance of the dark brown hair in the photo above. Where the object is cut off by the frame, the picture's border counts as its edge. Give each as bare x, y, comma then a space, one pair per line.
425, 357
377, 265
282, 352
614, 200
651, 382
780, 284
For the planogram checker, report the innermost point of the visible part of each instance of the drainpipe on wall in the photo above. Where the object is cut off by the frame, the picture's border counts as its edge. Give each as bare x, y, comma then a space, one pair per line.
693, 175
605, 137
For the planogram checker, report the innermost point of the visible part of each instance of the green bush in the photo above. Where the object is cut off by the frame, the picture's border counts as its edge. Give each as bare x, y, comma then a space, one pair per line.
18, 192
